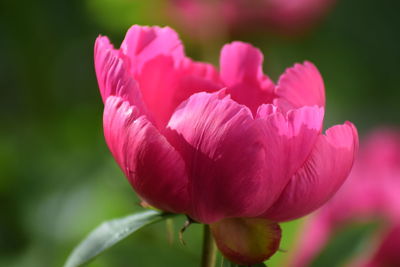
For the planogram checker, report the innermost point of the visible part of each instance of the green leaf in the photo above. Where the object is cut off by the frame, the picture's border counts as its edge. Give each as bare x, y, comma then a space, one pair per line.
109, 233
344, 245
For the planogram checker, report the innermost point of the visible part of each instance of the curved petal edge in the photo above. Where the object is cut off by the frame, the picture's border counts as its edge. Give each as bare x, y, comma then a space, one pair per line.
300, 85
321, 175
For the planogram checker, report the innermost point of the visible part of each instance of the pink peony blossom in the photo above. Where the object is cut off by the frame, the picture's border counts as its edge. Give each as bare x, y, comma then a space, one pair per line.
219, 145
372, 192
285, 16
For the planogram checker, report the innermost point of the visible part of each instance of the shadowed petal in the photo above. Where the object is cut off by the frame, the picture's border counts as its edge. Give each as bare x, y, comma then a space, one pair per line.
113, 76
246, 241
153, 167
301, 85
241, 71
165, 84
321, 176
198, 76
142, 43
158, 83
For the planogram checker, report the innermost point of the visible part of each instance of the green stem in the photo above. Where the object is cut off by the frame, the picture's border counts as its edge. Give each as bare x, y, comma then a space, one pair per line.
209, 253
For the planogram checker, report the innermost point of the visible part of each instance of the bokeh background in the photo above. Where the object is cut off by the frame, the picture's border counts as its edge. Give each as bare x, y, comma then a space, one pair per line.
57, 177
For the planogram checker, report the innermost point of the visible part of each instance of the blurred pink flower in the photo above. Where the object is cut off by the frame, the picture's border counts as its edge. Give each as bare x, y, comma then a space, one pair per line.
285, 16
217, 145
387, 254
371, 192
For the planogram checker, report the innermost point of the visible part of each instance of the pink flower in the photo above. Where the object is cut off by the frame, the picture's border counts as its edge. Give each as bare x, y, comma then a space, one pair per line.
387, 253
219, 145
285, 16
371, 192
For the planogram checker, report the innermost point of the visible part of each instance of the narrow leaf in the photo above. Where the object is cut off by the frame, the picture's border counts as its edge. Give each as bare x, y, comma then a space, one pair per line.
109, 233
345, 244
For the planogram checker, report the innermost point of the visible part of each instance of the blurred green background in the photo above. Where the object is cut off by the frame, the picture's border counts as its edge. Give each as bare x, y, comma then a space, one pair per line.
57, 177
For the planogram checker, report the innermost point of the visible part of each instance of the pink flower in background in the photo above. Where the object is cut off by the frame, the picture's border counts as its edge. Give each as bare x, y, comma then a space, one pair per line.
387, 254
371, 192
293, 15
220, 146
285, 16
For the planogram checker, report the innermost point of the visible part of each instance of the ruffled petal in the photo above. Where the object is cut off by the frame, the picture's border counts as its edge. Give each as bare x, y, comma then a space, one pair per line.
113, 76
289, 139
246, 241
301, 85
165, 84
239, 166
224, 151
321, 176
241, 71
142, 43
153, 167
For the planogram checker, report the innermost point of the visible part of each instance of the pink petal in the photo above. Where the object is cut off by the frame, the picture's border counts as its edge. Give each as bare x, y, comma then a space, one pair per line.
195, 77
158, 83
143, 43
241, 71
239, 166
113, 76
321, 176
289, 140
153, 167
199, 76
246, 241
240, 62
165, 84
224, 152
301, 85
